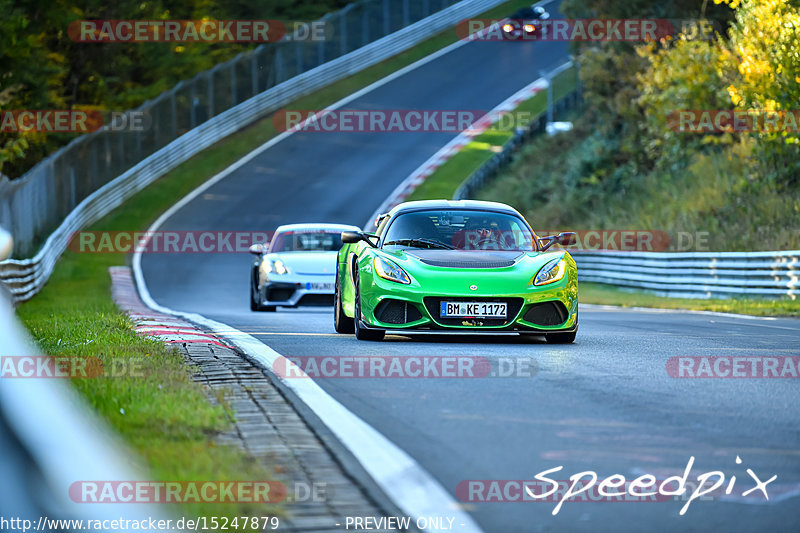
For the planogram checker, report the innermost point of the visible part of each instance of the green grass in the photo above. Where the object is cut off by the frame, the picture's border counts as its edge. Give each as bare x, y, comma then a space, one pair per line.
598, 293
147, 395
445, 180
162, 414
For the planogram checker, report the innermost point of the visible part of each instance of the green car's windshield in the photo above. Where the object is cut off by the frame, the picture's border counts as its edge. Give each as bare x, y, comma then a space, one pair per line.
459, 230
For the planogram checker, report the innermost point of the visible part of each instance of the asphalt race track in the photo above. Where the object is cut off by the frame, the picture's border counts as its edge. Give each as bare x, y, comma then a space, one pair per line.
605, 404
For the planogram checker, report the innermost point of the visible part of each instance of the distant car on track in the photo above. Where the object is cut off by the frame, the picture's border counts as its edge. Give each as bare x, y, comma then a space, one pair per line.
455, 266
523, 23
296, 267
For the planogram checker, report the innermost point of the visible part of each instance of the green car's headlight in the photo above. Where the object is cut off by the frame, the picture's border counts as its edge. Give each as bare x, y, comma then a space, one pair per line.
550, 272
390, 271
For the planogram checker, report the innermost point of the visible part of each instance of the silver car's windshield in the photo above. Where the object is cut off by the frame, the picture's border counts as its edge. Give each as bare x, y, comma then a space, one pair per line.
306, 241
459, 230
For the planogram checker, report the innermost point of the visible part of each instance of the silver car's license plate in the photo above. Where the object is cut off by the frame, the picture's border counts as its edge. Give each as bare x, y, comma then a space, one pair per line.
472, 310
319, 286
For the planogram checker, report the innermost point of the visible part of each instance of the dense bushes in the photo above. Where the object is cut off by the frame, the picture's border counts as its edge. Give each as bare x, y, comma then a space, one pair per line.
625, 165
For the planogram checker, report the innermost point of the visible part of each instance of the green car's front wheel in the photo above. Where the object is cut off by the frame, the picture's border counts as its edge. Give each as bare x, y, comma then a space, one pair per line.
341, 323
362, 333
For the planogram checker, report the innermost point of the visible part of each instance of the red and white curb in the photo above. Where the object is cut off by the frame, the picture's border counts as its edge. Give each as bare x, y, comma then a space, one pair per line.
149, 323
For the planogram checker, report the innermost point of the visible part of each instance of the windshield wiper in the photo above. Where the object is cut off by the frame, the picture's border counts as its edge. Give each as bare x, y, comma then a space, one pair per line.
417, 242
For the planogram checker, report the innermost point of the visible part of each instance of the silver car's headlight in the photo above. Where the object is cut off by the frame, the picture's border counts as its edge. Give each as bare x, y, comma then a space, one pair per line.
274, 267
279, 268
550, 272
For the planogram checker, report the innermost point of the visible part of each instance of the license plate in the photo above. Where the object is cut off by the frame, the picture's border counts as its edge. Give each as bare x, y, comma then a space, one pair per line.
472, 310
319, 286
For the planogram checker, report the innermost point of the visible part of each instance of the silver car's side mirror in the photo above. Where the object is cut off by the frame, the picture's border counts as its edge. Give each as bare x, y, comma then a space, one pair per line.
257, 249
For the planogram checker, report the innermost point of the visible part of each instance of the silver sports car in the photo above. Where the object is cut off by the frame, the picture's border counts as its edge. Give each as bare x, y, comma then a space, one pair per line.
297, 267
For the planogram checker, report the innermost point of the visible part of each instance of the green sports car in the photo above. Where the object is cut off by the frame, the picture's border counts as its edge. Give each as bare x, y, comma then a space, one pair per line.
455, 266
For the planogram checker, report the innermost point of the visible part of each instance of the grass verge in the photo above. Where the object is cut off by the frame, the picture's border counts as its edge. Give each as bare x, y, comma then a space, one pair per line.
162, 414
599, 293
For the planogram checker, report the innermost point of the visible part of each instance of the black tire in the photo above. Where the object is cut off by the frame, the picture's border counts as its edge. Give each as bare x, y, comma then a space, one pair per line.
255, 302
361, 332
341, 323
561, 338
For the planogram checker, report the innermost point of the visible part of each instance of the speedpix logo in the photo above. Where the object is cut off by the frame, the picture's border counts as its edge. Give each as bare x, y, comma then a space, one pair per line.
587, 487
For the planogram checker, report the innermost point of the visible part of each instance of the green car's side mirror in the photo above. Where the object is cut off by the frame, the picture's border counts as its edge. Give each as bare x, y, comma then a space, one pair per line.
567, 238
351, 237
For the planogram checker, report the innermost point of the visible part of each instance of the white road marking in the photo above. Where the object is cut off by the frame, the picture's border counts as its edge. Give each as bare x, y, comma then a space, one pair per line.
605, 307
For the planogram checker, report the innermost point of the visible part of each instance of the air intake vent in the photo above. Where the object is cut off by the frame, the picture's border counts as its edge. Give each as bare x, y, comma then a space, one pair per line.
547, 314
469, 264
322, 300
393, 311
279, 294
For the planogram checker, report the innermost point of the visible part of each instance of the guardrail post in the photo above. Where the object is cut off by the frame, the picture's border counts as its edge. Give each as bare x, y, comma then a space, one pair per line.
343, 30
364, 24
298, 56
254, 69
386, 18
193, 103
107, 148
173, 103
210, 77
550, 113
234, 96
277, 65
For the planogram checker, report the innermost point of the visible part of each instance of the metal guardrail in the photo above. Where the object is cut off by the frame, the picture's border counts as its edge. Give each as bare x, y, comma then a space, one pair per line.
695, 274
34, 205
675, 274
25, 277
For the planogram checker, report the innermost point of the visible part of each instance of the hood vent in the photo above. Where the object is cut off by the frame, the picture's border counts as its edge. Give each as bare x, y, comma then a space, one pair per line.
467, 259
